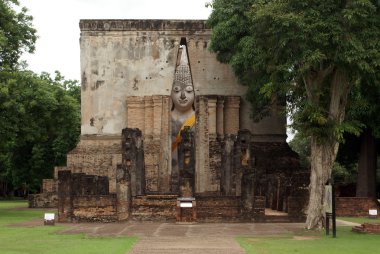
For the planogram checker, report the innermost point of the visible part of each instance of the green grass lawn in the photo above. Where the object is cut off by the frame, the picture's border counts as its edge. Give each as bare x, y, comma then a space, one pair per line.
360, 220
43, 239
307, 242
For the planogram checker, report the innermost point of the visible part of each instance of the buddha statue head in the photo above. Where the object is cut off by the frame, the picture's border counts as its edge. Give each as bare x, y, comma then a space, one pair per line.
183, 91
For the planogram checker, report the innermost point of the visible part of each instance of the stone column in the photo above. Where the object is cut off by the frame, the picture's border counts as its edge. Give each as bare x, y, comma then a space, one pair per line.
133, 159
135, 113
65, 196
227, 165
231, 114
212, 116
123, 193
220, 116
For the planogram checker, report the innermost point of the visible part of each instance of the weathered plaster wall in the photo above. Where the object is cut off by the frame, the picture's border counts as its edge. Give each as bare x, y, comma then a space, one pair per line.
121, 58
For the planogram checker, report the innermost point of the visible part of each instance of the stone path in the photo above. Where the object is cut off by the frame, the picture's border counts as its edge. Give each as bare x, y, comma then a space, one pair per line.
200, 238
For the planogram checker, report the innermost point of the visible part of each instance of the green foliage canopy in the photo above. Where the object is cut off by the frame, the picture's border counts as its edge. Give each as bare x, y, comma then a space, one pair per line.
39, 124
295, 49
39, 115
17, 34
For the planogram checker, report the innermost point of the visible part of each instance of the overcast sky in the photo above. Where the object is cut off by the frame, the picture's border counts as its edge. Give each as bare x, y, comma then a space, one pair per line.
57, 24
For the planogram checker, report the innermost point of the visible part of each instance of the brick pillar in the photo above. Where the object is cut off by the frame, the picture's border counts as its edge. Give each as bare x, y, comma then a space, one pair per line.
136, 113
202, 168
212, 116
133, 159
148, 117
220, 116
123, 192
227, 165
164, 160
157, 116
231, 114
65, 196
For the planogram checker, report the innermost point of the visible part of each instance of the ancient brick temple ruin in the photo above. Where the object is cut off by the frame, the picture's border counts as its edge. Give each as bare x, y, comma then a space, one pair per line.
166, 133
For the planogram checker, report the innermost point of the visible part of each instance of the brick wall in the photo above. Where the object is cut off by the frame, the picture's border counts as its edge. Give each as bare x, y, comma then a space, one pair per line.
154, 207
216, 209
355, 206
43, 200
91, 208
85, 198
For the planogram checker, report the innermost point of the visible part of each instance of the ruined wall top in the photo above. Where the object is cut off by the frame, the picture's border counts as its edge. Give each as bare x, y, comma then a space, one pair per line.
141, 25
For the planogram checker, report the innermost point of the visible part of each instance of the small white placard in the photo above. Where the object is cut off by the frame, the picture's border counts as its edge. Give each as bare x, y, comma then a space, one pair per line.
49, 216
328, 198
372, 212
186, 204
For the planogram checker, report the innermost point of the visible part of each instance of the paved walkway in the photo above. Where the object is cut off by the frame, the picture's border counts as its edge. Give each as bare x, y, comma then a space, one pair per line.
200, 238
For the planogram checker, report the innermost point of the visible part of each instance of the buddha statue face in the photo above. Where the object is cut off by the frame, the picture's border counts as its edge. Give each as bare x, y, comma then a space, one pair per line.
182, 96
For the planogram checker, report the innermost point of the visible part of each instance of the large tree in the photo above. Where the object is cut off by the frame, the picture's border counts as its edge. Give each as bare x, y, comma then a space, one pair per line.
17, 34
309, 52
39, 115
39, 124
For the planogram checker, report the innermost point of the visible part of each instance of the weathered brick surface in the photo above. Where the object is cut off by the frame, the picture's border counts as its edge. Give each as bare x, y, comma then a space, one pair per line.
49, 185
214, 209
296, 206
93, 208
48, 198
84, 197
215, 151
43, 200
355, 206
96, 155
373, 228
154, 207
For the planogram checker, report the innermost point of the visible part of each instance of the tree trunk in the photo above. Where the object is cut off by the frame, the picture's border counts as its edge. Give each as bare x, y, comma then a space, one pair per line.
324, 150
366, 184
322, 158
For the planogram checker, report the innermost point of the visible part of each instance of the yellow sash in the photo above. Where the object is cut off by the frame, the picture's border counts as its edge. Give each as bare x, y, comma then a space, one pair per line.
189, 122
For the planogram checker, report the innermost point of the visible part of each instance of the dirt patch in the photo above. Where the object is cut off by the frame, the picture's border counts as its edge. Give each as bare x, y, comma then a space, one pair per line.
305, 238
29, 224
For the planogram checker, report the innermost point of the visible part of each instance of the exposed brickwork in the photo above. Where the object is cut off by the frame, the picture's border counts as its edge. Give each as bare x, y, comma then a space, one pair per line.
214, 209
48, 198
84, 197
43, 200
368, 228
154, 207
96, 156
353, 206
215, 151
91, 208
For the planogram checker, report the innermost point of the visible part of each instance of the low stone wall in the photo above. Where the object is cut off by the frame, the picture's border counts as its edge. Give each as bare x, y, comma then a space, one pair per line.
372, 228
91, 208
296, 206
354, 206
154, 208
84, 198
43, 200
367, 228
216, 209
48, 198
